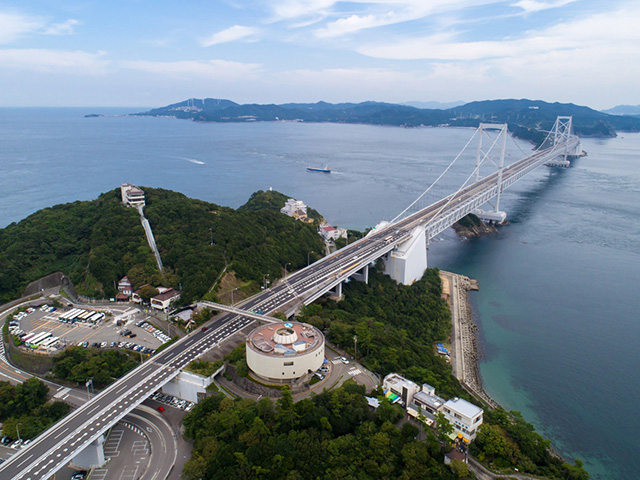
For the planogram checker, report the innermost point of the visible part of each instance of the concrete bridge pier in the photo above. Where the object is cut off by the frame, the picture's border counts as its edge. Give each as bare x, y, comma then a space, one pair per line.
337, 290
490, 216
92, 455
408, 261
362, 275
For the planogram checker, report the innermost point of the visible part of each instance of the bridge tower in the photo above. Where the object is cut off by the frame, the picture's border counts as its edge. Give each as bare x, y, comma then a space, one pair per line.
493, 155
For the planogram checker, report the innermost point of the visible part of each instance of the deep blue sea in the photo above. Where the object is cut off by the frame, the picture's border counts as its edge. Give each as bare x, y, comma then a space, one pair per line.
558, 306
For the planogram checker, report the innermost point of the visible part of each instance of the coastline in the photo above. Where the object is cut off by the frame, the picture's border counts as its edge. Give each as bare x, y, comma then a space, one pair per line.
465, 351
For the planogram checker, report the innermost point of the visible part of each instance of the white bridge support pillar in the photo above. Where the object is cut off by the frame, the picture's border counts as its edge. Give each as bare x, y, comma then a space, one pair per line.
408, 261
337, 290
362, 275
92, 455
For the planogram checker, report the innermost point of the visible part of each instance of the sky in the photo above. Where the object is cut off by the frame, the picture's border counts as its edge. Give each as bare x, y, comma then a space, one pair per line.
150, 54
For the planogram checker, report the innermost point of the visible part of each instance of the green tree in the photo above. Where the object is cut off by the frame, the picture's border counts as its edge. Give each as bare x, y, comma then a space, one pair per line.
444, 429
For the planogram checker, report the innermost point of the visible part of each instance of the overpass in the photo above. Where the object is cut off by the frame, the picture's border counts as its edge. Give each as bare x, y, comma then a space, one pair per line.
81, 433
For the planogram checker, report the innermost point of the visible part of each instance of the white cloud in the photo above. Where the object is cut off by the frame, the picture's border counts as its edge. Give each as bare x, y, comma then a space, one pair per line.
211, 69
54, 61
530, 6
231, 34
608, 30
64, 28
14, 26
290, 9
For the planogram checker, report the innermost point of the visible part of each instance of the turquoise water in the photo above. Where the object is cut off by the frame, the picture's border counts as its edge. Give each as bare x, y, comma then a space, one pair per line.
558, 303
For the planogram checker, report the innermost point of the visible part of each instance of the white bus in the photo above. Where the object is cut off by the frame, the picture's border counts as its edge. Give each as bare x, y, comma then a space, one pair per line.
49, 341
37, 339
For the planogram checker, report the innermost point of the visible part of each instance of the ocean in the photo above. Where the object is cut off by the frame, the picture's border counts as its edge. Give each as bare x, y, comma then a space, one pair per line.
557, 306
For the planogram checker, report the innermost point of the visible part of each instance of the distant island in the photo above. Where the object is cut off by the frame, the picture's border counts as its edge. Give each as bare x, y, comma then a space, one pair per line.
527, 119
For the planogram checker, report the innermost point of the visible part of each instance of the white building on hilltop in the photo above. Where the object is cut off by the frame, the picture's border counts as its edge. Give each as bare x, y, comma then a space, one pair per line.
294, 208
132, 195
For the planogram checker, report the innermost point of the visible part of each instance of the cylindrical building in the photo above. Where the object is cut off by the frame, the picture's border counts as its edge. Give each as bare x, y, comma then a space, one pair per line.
285, 351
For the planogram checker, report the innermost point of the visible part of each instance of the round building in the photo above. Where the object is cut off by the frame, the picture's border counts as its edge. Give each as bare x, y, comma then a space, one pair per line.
285, 351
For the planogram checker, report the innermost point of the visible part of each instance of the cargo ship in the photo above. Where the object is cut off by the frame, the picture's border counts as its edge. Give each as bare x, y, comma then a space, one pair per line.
323, 170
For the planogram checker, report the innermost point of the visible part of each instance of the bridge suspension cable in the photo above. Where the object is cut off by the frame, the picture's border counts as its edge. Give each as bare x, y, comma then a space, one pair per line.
435, 182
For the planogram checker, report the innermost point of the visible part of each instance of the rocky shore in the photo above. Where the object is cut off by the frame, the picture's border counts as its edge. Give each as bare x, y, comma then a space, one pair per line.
471, 226
466, 351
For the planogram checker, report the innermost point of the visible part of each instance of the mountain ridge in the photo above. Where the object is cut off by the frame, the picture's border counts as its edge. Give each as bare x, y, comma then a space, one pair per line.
527, 119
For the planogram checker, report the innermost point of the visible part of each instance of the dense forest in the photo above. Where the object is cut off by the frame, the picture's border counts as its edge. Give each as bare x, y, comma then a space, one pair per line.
26, 405
333, 435
95, 243
78, 364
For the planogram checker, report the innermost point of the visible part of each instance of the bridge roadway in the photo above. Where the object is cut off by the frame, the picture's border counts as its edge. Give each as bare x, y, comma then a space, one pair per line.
56, 446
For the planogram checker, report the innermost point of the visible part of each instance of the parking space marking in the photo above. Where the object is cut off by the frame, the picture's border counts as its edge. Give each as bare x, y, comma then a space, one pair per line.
113, 443
99, 474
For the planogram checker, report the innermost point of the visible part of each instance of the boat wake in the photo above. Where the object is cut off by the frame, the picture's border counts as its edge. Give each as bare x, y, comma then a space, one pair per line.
192, 160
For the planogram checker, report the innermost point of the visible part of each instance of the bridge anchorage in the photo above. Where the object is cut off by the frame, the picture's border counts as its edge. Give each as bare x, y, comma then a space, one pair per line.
401, 243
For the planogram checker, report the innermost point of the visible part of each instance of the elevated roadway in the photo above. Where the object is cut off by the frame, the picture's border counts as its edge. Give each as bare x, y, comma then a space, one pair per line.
59, 444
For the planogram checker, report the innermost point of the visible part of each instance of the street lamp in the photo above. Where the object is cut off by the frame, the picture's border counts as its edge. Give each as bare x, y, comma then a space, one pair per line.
232, 294
355, 347
265, 282
285, 269
308, 257
18, 430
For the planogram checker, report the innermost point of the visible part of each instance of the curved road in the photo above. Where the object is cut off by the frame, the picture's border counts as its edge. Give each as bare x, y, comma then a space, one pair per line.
160, 434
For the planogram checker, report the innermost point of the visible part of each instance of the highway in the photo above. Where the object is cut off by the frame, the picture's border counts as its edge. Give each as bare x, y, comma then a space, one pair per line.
59, 444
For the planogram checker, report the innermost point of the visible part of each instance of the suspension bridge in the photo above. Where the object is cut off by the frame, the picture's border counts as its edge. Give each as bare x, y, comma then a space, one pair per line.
400, 243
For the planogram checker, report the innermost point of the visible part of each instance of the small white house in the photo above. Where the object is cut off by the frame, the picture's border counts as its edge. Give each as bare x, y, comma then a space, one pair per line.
164, 299
124, 286
331, 233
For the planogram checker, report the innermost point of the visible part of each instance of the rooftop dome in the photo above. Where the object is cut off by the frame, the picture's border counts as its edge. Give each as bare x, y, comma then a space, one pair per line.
285, 335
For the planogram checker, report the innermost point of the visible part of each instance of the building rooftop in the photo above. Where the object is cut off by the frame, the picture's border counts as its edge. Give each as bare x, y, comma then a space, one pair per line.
166, 295
433, 401
286, 338
397, 381
463, 407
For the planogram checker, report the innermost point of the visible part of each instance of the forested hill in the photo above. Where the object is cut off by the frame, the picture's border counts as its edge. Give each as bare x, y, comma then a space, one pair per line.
525, 117
97, 242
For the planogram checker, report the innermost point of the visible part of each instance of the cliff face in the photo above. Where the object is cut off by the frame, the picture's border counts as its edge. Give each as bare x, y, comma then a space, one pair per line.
471, 227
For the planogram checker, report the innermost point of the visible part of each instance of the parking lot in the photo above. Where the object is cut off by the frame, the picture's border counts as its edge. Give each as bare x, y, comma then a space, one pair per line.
102, 327
171, 401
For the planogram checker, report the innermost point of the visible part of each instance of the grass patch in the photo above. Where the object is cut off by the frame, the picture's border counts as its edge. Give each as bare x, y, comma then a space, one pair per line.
204, 368
165, 345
